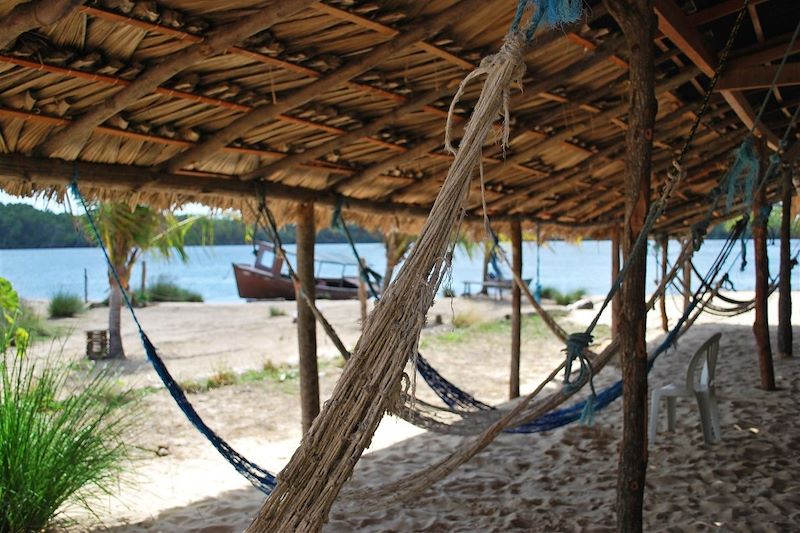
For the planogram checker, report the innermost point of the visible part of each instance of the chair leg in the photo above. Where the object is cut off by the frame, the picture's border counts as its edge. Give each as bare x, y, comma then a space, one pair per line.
671, 400
714, 412
655, 403
705, 417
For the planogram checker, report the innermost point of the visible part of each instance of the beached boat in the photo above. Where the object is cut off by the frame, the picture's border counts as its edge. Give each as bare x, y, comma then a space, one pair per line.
266, 281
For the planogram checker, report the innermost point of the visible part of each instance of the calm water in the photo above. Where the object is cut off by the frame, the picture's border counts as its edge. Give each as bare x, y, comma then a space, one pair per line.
40, 273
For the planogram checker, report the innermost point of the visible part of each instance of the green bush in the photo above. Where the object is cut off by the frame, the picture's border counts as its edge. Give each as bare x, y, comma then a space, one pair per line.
61, 439
276, 311
65, 305
29, 320
165, 290
560, 298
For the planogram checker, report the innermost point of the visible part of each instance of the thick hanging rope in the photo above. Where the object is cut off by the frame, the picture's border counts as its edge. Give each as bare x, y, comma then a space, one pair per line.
371, 381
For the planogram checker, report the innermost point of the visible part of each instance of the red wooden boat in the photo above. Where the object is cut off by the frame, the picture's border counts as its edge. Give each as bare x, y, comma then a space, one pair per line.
263, 282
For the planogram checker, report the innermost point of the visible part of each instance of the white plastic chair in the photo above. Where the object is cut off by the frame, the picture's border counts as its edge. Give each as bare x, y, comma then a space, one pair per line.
700, 383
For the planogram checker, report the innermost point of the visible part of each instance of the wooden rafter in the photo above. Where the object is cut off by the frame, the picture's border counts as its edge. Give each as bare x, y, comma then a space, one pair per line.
78, 132
677, 27
288, 66
759, 77
260, 115
183, 95
31, 15
348, 137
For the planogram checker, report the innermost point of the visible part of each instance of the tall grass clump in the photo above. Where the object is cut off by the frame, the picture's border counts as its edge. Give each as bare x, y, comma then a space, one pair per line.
166, 290
565, 298
65, 305
61, 440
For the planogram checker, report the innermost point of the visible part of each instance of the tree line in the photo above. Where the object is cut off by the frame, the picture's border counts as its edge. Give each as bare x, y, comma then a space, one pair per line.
24, 226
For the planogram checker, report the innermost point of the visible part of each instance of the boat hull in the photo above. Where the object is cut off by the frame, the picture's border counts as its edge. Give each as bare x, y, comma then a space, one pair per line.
259, 284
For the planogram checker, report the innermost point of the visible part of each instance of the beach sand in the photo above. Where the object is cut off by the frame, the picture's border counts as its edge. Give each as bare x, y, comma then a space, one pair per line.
562, 480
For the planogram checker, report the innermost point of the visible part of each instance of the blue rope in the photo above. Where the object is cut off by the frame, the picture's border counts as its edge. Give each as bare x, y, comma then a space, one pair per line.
550, 12
366, 273
259, 477
584, 410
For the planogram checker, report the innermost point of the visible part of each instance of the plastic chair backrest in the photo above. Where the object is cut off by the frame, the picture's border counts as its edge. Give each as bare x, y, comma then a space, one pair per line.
703, 366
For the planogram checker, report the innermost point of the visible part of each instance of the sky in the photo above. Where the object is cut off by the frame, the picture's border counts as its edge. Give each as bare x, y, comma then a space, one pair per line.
46, 204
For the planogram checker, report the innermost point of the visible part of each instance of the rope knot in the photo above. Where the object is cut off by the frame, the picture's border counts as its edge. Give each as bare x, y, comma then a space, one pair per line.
699, 231
577, 344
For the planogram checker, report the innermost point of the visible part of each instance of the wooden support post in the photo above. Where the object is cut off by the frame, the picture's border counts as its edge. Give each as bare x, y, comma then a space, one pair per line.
306, 324
761, 322
615, 309
143, 283
687, 280
516, 301
638, 23
785, 282
663, 299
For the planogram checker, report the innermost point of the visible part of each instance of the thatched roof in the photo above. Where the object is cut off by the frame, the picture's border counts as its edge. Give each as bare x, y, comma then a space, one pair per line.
172, 101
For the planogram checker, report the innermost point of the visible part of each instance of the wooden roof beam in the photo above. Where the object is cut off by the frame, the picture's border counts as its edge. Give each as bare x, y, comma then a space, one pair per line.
771, 51
40, 118
254, 56
239, 127
723, 9
32, 15
183, 95
79, 131
348, 138
758, 77
679, 29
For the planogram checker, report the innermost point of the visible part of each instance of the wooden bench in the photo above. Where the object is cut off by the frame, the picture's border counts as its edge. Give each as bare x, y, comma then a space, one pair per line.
498, 286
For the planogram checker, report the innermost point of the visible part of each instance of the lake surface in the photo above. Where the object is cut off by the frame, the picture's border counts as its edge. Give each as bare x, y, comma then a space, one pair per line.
40, 273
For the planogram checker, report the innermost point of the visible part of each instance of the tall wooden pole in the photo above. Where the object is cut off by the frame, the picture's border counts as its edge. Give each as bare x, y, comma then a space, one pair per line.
687, 280
638, 23
761, 323
663, 299
785, 282
615, 307
306, 324
516, 302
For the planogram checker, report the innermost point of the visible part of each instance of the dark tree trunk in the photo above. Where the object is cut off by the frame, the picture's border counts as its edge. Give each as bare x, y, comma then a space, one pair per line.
663, 299
306, 324
115, 349
761, 323
638, 23
687, 280
516, 301
615, 308
785, 283
487, 254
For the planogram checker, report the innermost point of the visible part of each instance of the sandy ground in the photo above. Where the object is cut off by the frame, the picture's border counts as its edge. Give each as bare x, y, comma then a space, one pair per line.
563, 480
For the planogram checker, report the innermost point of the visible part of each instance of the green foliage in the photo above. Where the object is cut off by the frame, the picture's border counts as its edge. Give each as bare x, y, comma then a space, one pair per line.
224, 376
61, 440
448, 292
465, 319
19, 323
165, 290
533, 327
64, 305
566, 298
276, 311
26, 227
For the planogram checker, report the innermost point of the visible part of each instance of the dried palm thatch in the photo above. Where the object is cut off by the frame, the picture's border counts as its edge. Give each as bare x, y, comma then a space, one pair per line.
344, 100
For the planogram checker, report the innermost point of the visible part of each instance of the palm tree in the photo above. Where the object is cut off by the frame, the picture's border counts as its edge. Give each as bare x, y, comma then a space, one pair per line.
397, 246
127, 232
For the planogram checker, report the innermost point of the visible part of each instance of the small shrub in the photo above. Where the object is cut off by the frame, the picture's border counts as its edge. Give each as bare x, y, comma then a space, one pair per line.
65, 305
29, 320
61, 439
276, 311
165, 290
448, 292
222, 377
560, 298
466, 319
